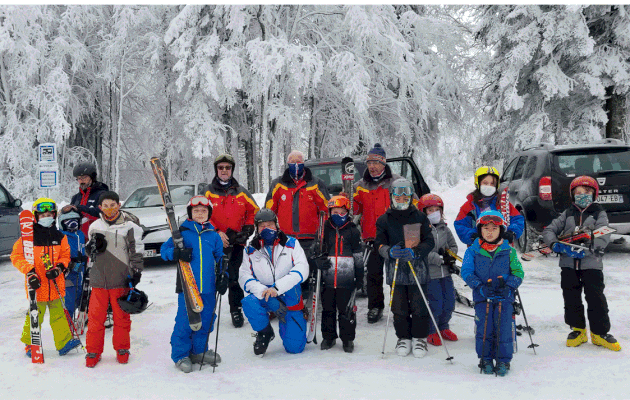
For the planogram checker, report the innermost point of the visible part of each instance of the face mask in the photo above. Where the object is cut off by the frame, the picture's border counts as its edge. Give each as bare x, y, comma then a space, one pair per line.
487, 190
296, 170
583, 200
70, 225
46, 222
269, 236
339, 220
434, 217
110, 213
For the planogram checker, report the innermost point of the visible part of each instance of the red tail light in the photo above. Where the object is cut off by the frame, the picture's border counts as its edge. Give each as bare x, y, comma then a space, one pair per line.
544, 188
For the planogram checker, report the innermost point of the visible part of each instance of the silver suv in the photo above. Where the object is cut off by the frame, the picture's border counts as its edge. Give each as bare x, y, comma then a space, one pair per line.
10, 209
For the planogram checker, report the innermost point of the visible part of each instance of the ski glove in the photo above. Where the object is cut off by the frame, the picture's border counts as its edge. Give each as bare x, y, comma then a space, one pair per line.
222, 283
483, 293
33, 280
281, 312
242, 236
563, 248
505, 293
135, 279
323, 263
54, 272
447, 258
403, 255
184, 254
509, 236
96, 245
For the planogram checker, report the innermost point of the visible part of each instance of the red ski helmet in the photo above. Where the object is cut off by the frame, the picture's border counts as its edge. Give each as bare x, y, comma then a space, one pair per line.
429, 200
587, 181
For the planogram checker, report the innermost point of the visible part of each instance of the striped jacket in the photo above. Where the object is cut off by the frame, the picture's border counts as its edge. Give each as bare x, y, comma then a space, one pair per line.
232, 206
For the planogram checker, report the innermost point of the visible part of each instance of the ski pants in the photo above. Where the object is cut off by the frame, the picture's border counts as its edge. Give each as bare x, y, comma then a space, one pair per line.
411, 316
185, 341
333, 301
97, 315
58, 323
441, 296
235, 295
293, 330
74, 285
592, 282
501, 324
374, 288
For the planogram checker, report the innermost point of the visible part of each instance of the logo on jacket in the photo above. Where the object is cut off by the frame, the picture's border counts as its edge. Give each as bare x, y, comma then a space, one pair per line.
601, 181
283, 197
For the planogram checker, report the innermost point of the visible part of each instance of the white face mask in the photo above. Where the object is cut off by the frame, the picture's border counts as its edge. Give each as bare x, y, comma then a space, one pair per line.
487, 190
434, 217
46, 221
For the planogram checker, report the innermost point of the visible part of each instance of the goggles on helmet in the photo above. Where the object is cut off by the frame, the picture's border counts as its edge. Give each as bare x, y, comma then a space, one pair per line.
402, 191
199, 200
339, 201
45, 206
491, 219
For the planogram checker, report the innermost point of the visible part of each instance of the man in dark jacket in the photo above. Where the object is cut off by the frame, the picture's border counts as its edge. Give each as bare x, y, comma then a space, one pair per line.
85, 202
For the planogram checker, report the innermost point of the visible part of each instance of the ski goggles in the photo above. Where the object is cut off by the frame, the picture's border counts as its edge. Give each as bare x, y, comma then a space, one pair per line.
401, 191
45, 206
339, 201
491, 219
199, 201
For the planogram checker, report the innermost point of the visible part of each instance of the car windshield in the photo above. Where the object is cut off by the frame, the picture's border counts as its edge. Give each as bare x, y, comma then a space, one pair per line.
150, 196
593, 162
331, 175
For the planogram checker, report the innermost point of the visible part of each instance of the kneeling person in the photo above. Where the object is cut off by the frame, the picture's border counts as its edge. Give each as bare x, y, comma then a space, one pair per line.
274, 265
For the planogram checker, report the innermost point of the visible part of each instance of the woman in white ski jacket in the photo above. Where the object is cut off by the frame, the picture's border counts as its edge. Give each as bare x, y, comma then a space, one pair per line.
274, 265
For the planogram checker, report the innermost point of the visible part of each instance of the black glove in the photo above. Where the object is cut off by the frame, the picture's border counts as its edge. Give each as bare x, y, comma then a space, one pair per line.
184, 254
448, 259
231, 235
96, 245
509, 236
33, 280
323, 263
54, 272
281, 312
243, 235
135, 279
72, 266
222, 283
474, 236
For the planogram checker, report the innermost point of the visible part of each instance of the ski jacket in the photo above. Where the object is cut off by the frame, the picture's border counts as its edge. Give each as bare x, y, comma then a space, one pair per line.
297, 205
444, 239
343, 246
466, 221
283, 269
76, 240
45, 241
87, 204
390, 232
206, 255
232, 206
593, 217
123, 255
479, 266
371, 200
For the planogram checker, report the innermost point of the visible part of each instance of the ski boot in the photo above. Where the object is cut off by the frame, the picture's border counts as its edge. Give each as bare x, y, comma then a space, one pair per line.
122, 356
434, 339
72, 344
374, 315
237, 318
502, 368
327, 344
262, 340
420, 347
91, 359
486, 366
208, 358
608, 341
449, 335
403, 347
184, 365
577, 337
348, 346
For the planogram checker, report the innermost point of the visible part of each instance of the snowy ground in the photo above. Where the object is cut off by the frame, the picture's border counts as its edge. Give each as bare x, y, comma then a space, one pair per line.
555, 372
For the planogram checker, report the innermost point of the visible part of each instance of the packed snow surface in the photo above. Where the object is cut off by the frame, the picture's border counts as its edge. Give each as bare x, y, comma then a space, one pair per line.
587, 372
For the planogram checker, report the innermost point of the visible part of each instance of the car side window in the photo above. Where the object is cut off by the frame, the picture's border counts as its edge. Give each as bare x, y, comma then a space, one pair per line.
530, 167
520, 166
4, 198
404, 169
507, 173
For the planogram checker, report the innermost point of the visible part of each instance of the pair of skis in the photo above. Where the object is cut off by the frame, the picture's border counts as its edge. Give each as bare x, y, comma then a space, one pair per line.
572, 240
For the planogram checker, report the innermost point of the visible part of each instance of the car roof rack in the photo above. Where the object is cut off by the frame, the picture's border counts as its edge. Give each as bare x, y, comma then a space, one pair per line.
541, 146
610, 141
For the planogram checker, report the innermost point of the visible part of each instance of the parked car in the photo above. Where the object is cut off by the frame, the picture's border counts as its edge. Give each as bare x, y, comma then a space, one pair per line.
539, 177
146, 204
329, 171
10, 209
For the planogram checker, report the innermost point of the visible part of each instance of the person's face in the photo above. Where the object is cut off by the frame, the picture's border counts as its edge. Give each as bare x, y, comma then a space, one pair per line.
45, 214
224, 171
266, 224
84, 181
375, 168
490, 232
431, 209
338, 211
489, 180
109, 207
200, 214
402, 199
583, 190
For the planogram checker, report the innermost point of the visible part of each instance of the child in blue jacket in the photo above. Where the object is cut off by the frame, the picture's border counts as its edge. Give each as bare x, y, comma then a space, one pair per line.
203, 249
492, 270
70, 223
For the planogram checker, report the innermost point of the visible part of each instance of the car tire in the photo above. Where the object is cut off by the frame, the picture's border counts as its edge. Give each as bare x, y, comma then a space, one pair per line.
527, 239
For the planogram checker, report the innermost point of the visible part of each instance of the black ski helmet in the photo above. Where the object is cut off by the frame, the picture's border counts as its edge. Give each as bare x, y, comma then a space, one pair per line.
264, 215
224, 158
135, 302
85, 168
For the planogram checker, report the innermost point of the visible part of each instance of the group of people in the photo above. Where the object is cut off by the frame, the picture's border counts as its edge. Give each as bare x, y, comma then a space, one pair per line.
267, 257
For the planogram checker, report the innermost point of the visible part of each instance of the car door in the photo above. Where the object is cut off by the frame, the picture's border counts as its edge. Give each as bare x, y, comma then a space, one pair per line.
405, 167
516, 180
9, 221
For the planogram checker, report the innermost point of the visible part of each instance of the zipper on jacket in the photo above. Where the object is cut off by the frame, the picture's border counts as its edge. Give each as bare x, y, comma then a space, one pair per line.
200, 261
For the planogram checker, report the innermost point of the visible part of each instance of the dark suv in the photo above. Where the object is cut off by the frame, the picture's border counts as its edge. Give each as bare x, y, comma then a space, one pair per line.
539, 177
10, 209
329, 171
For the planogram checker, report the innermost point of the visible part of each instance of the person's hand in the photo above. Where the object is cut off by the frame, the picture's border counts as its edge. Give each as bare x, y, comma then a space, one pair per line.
67, 208
224, 239
184, 254
222, 283
563, 248
134, 279
96, 245
509, 236
33, 280
54, 272
281, 312
269, 292
323, 262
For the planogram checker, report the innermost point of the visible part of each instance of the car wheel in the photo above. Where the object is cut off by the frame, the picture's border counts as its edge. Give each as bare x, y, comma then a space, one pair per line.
527, 239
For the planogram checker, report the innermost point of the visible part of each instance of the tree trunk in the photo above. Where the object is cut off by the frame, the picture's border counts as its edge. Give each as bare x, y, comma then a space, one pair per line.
119, 133
616, 111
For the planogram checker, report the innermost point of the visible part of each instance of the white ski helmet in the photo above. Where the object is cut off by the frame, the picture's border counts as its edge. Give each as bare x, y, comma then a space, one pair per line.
401, 187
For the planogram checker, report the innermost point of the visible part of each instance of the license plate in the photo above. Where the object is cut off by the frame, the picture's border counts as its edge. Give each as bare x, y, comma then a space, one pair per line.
149, 253
610, 198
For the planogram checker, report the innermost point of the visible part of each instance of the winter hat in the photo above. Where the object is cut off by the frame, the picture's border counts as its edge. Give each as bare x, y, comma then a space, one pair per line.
377, 153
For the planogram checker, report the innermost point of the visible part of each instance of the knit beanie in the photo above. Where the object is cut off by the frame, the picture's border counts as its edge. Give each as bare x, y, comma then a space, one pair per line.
377, 153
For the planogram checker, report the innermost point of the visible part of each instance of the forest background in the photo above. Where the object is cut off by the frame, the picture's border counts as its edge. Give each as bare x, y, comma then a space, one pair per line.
450, 86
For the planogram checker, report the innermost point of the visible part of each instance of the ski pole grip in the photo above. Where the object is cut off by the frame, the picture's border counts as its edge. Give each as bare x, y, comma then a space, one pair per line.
501, 281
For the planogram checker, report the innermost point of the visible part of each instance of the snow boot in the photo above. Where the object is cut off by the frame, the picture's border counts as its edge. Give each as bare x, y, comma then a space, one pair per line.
207, 359
608, 341
449, 335
184, 365
348, 346
122, 356
374, 315
486, 366
502, 368
91, 359
403, 347
262, 340
420, 347
237, 318
327, 344
72, 344
434, 339
27, 349
577, 337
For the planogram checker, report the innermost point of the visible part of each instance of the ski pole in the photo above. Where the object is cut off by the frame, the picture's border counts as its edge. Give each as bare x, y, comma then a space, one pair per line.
426, 303
216, 342
391, 298
217, 299
529, 329
498, 331
463, 314
485, 325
